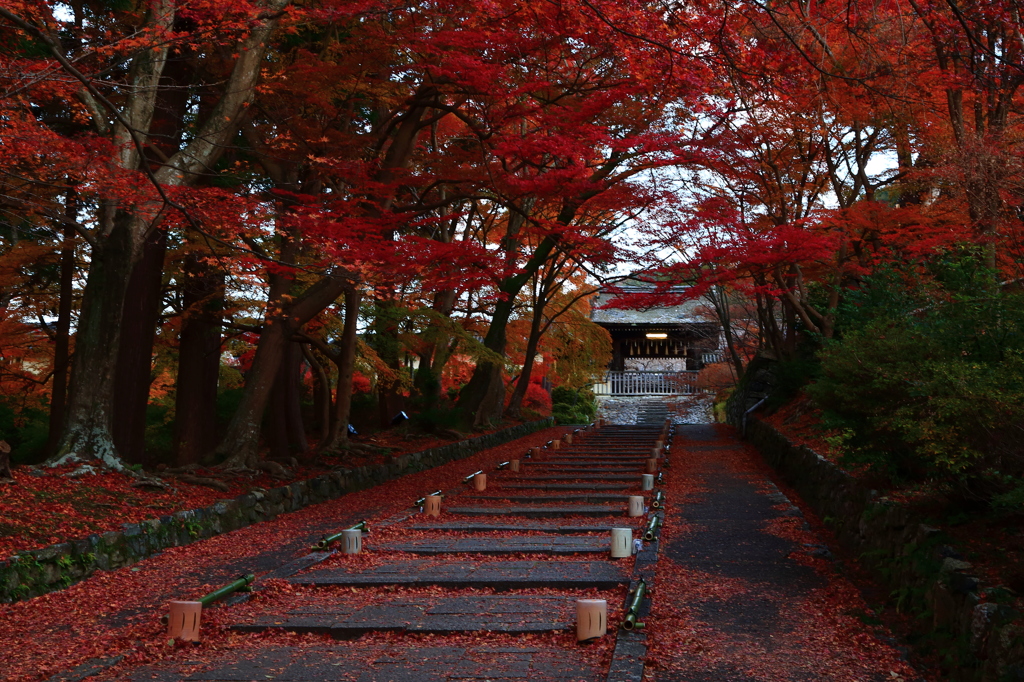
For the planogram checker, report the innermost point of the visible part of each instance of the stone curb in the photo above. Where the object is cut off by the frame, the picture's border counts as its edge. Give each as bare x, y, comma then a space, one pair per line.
32, 573
905, 554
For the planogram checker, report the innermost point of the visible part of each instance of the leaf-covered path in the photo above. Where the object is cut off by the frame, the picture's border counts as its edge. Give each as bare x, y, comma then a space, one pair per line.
748, 592
743, 589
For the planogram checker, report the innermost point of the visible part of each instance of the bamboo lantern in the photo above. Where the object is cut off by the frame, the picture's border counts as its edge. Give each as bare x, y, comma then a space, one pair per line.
636, 505
480, 482
183, 622
351, 541
652, 465
433, 505
514, 466
591, 619
622, 542
647, 481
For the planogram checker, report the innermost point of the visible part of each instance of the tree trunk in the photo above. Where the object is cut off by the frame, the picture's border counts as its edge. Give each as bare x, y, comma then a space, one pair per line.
241, 441
91, 395
321, 396
515, 403
62, 336
346, 369
134, 374
199, 345
286, 435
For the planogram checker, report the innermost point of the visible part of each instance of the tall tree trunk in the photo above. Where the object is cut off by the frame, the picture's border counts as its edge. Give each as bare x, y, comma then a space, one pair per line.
91, 395
199, 347
321, 396
240, 443
285, 432
484, 395
92, 391
134, 374
515, 403
62, 336
387, 346
346, 361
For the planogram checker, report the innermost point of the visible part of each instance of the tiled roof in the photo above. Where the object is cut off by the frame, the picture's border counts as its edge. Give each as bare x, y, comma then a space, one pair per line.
684, 313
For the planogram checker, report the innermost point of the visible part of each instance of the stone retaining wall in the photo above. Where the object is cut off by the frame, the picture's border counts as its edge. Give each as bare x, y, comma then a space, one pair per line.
29, 574
927, 576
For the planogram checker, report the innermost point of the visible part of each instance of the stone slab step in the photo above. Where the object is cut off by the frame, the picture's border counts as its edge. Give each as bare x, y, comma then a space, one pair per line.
551, 512
569, 486
355, 663
446, 615
522, 527
507, 575
578, 477
534, 544
540, 499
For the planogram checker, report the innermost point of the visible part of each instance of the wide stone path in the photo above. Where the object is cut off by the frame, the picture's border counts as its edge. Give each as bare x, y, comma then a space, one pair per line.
497, 576
743, 590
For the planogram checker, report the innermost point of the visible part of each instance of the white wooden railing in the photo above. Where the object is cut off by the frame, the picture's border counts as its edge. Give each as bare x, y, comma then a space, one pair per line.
648, 383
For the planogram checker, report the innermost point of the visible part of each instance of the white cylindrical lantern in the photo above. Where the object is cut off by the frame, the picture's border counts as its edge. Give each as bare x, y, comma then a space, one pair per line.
555, 444
652, 466
351, 541
655, 453
432, 506
537, 454
659, 444
480, 482
514, 466
183, 621
568, 439
636, 505
646, 481
622, 542
591, 619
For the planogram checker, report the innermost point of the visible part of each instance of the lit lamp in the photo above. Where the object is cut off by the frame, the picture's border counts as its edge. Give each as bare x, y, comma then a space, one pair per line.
656, 335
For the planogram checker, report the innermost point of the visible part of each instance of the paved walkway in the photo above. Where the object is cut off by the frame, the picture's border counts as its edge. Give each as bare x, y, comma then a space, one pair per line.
742, 588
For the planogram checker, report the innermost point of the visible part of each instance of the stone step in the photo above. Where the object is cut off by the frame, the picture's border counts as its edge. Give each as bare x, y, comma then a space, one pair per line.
551, 512
532, 544
577, 477
500, 575
540, 499
568, 486
436, 615
358, 663
522, 527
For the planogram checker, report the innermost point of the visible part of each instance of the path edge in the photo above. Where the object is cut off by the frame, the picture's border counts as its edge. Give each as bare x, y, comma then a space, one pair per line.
928, 577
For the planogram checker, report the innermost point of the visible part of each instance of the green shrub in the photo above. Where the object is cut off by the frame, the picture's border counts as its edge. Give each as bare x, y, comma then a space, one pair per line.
926, 381
569, 406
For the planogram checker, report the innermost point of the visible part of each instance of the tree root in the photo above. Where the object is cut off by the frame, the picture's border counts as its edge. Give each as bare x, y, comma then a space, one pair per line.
274, 469
203, 480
